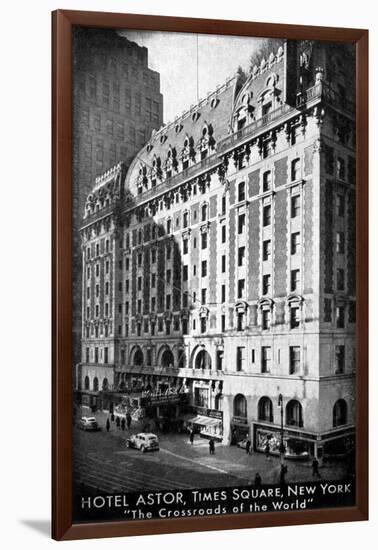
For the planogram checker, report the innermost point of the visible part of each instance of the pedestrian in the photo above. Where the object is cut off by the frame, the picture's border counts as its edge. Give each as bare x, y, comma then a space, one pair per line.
118, 422
248, 447
191, 437
211, 447
107, 425
128, 420
123, 424
267, 450
315, 468
283, 473
258, 480
112, 417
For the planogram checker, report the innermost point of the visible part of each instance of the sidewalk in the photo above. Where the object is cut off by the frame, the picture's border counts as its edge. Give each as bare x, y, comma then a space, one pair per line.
227, 459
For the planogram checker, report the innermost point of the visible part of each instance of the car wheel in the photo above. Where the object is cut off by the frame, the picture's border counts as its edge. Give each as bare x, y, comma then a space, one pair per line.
143, 449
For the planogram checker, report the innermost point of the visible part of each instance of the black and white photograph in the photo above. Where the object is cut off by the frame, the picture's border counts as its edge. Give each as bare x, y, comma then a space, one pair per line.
214, 274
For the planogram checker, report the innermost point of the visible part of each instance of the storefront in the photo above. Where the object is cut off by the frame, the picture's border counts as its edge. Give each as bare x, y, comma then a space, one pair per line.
239, 430
298, 444
208, 424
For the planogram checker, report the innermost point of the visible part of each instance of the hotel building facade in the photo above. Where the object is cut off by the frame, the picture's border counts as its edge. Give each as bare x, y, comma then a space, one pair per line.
220, 267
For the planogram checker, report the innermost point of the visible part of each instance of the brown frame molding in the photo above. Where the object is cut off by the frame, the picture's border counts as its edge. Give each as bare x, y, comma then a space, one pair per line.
62, 22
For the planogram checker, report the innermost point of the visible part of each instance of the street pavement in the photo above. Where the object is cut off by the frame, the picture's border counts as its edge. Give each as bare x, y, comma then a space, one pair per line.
102, 462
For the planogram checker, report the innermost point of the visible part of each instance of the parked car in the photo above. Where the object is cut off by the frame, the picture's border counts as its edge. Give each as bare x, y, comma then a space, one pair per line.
89, 423
143, 442
242, 443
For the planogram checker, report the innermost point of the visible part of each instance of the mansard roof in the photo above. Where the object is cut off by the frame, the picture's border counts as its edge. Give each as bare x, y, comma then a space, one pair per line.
215, 110
216, 113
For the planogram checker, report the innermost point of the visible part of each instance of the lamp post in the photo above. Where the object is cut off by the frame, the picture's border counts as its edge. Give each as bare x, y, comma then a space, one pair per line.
282, 446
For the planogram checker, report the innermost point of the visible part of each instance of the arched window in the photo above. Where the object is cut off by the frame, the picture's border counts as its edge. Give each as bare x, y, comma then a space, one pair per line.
86, 383
138, 358
240, 405
167, 359
265, 409
95, 383
339, 413
294, 415
105, 384
203, 360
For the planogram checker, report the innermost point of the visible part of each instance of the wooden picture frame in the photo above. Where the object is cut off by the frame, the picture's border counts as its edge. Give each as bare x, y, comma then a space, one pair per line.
63, 527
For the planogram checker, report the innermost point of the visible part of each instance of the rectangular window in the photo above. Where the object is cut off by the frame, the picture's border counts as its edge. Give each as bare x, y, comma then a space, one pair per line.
185, 246
223, 233
139, 283
294, 243
267, 249
139, 306
87, 355
241, 223
340, 279
203, 268
340, 168
295, 359
223, 294
223, 323
294, 280
327, 310
153, 303
253, 356
241, 288
241, 191
203, 325
185, 300
96, 355
294, 317
265, 359
340, 242
265, 319
267, 181
184, 272
240, 358
169, 251
340, 359
295, 206
223, 205
340, 205
295, 169
267, 215
240, 321
185, 219
184, 324
203, 240
223, 263
340, 316
203, 296
241, 256
168, 276
266, 284
168, 301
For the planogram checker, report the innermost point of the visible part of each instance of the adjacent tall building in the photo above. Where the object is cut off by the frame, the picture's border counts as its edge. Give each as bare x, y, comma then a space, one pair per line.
117, 103
221, 265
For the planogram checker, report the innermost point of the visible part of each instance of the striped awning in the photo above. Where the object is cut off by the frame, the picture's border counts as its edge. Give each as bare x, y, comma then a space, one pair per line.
204, 420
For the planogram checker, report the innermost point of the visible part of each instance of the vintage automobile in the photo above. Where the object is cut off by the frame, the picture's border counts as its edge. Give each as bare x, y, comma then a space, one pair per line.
89, 423
143, 442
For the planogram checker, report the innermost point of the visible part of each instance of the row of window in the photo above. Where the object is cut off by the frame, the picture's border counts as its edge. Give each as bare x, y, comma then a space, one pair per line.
293, 411
266, 362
